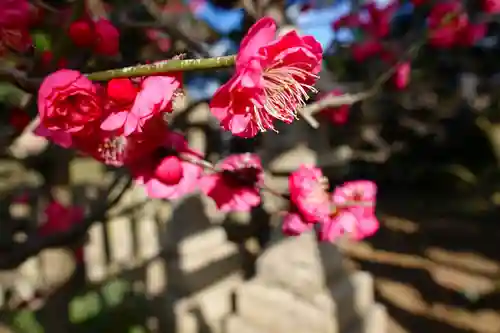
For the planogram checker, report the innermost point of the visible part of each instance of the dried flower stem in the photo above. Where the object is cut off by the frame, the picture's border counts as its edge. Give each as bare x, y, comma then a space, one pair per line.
174, 65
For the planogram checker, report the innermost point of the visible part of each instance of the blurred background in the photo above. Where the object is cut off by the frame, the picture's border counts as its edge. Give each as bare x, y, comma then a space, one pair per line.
428, 134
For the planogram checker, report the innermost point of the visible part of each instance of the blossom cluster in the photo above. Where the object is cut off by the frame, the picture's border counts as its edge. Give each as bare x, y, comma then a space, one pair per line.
15, 20
447, 25
349, 209
121, 123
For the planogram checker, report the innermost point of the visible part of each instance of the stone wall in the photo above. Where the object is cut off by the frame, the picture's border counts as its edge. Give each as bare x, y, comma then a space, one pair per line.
177, 255
300, 286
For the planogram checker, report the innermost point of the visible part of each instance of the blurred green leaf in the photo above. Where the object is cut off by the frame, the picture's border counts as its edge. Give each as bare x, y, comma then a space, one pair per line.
10, 94
334, 64
25, 321
41, 41
359, 34
84, 307
137, 329
114, 292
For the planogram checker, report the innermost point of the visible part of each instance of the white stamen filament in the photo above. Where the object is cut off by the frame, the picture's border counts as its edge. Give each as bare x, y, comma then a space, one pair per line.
284, 95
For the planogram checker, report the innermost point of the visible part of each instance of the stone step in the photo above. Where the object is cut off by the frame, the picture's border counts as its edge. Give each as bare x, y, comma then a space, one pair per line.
200, 242
236, 324
278, 310
349, 300
290, 160
375, 321
301, 265
205, 308
195, 272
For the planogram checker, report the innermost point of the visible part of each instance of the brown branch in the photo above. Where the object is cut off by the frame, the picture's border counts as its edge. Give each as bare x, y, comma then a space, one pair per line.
47, 7
349, 99
19, 78
33, 245
155, 11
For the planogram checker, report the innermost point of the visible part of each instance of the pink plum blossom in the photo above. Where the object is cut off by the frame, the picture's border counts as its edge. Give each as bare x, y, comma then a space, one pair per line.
307, 187
68, 101
152, 172
235, 186
354, 212
132, 107
60, 138
272, 80
14, 25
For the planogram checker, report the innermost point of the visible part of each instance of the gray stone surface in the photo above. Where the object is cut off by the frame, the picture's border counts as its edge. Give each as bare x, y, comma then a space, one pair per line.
236, 323
301, 287
203, 268
301, 265
278, 310
195, 272
376, 320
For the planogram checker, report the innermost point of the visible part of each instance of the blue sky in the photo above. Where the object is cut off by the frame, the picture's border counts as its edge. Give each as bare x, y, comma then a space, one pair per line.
314, 22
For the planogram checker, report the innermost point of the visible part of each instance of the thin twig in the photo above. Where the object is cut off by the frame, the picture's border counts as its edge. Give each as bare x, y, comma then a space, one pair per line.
155, 11
19, 78
46, 6
349, 99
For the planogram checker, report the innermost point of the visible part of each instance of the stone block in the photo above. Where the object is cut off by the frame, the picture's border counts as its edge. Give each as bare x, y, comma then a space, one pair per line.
192, 273
197, 140
334, 309
301, 265
120, 240
291, 159
200, 114
187, 219
207, 308
95, 254
217, 301
155, 277
86, 171
376, 320
236, 324
349, 300
289, 136
277, 310
147, 238
201, 242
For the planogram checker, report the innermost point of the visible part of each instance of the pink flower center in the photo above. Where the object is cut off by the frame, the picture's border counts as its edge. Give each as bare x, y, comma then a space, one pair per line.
246, 177
357, 196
